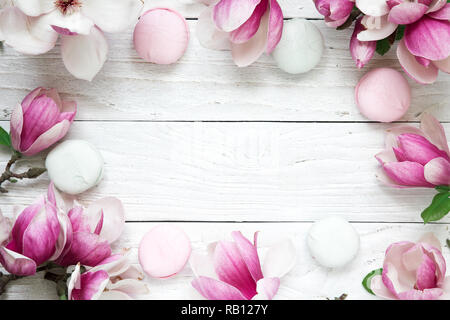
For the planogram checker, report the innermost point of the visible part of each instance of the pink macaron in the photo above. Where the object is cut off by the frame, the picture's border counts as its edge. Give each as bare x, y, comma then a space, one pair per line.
383, 95
164, 251
161, 36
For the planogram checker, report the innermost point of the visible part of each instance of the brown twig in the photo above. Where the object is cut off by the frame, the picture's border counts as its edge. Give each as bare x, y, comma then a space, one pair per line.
10, 176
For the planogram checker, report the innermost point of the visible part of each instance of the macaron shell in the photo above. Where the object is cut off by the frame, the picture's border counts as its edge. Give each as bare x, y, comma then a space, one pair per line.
333, 242
164, 251
383, 95
300, 48
161, 36
75, 166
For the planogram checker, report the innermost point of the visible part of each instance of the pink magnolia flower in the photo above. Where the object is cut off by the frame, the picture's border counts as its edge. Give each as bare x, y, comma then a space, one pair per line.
233, 271
247, 27
93, 230
114, 278
413, 271
416, 157
336, 12
40, 120
33, 239
425, 48
33, 27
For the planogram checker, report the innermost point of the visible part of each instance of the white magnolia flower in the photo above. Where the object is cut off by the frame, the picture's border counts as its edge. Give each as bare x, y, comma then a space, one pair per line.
33, 26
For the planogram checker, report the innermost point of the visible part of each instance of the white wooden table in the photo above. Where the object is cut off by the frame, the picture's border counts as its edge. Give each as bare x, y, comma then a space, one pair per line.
214, 148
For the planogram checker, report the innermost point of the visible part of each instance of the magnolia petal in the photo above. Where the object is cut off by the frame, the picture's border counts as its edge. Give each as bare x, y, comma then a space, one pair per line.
84, 55
340, 9
133, 272
335, 23
63, 202
414, 259
427, 294
379, 289
251, 26
27, 35
44, 109
423, 75
446, 288
16, 126
439, 261
437, 172
399, 154
16, 263
407, 12
267, 288
442, 14
64, 241
361, 51
434, 131
202, 265
396, 277
87, 249
229, 15
5, 229
22, 222
129, 286
275, 30
78, 220
386, 156
74, 23
114, 217
384, 178
231, 268
375, 8
392, 134
213, 289
112, 16
74, 282
35, 8
119, 265
443, 65
375, 33
249, 254
279, 259
26, 102
50, 137
430, 239
92, 285
207, 33
41, 235
436, 5
428, 38
424, 62
418, 149
407, 173
246, 53
114, 295
68, 110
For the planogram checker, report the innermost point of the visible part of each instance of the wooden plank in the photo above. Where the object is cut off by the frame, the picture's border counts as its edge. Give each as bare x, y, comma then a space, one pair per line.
239, 171
193, 8
206, 85
307, 280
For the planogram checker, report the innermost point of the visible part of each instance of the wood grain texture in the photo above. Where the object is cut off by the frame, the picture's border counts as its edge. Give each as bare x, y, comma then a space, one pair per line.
240, 172
204, 140
206, 85
193, 8
307, 280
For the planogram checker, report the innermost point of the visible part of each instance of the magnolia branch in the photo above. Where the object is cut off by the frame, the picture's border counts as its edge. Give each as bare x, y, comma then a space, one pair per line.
11, 176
